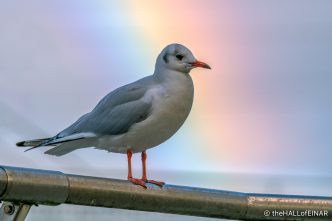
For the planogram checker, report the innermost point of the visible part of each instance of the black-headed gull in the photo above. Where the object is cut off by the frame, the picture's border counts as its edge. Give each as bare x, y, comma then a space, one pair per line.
136, 116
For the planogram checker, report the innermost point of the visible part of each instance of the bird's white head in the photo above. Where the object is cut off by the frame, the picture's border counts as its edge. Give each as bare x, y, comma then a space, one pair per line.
178, 58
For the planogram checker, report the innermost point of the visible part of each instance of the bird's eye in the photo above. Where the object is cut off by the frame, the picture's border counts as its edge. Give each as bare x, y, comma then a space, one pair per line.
179, 56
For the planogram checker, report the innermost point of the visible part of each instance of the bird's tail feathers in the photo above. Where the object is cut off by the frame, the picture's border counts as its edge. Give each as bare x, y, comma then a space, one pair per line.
66, 147
57, 141
61, 149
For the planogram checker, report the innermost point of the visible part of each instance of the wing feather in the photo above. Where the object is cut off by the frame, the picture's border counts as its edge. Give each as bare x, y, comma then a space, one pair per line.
116, 112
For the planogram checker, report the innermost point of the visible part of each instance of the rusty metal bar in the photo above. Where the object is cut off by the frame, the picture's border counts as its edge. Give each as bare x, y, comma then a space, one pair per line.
31, 186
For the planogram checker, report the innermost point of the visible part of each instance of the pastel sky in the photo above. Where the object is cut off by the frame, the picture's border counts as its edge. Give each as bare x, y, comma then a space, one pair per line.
265, 107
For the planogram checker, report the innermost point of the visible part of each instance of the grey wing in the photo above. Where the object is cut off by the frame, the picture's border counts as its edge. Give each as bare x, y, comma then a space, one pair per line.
116, 121
115, 113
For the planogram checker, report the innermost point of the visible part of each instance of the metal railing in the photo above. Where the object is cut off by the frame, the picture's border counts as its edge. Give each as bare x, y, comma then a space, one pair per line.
21, 187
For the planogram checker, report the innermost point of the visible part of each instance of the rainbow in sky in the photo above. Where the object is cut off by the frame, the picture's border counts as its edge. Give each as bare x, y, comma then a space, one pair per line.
247, 113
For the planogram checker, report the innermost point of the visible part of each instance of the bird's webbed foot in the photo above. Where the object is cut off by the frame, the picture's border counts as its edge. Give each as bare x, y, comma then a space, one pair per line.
142, 182
137, 181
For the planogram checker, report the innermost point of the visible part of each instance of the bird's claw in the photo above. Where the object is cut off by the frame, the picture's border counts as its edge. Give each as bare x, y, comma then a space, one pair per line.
142, 182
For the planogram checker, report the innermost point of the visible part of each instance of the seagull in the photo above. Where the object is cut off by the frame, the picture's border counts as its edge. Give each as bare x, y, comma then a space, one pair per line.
134, 117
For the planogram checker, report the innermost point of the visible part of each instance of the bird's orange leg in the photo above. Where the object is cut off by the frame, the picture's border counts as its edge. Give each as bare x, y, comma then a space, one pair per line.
135, 181
143, 157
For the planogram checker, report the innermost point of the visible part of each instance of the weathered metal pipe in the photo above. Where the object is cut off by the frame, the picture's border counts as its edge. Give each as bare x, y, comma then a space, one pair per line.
32, 186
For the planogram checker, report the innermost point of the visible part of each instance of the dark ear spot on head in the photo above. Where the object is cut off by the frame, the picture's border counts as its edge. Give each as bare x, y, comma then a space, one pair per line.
165, 58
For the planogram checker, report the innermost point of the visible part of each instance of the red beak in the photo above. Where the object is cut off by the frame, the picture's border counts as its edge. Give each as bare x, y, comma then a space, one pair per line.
200, 64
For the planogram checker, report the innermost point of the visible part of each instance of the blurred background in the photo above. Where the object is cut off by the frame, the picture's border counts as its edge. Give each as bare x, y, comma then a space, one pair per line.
261, 120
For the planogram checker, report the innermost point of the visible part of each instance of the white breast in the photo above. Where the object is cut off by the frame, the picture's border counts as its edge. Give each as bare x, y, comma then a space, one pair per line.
171, 104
